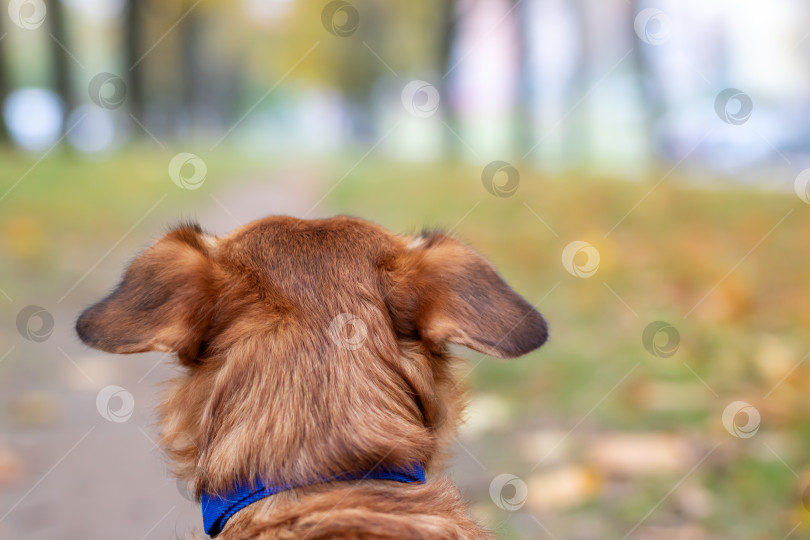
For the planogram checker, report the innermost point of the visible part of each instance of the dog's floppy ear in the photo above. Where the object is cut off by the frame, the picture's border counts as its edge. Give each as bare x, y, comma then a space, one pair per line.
445, 292
164, 301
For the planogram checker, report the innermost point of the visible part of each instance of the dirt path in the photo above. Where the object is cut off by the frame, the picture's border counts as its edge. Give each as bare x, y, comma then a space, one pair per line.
67, 472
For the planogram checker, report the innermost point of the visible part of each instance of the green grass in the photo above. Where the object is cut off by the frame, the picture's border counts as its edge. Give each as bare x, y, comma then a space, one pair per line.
59, 210
709, 262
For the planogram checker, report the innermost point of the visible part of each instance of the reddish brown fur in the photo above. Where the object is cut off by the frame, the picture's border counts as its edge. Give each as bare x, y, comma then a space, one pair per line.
268, 393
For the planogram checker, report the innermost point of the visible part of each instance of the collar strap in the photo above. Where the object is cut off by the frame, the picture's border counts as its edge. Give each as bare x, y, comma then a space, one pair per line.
218, 509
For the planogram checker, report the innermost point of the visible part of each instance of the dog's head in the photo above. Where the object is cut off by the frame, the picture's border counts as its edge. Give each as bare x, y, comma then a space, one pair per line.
311, 347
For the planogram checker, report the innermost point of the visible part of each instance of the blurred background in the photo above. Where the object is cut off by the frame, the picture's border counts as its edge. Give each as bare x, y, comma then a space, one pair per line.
637, 170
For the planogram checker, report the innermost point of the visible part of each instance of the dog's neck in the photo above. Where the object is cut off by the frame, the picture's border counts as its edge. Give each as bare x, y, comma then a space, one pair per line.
332, 423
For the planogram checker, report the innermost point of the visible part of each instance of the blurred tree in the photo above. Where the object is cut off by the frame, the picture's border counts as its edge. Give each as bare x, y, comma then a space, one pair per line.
62, 62
212, 70
578, 128
133, 53
356, 76
392, 44
652, 104
4, 87
446, 30
523, 117
191, 63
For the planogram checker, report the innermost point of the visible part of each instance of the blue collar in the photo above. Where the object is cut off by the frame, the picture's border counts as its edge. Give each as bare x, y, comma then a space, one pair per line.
218, 509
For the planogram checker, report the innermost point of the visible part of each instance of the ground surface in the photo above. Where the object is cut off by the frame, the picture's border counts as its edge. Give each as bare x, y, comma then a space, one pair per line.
610, 439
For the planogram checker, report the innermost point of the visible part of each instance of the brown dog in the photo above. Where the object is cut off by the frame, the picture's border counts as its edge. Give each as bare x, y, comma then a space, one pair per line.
316, 357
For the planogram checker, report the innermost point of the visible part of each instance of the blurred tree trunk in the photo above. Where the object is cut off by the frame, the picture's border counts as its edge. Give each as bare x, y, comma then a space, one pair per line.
193, 73
61, 57
578, 127
357, 78
209, 81
133, 37
4, 90
447, 30
523, 116
652, 99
